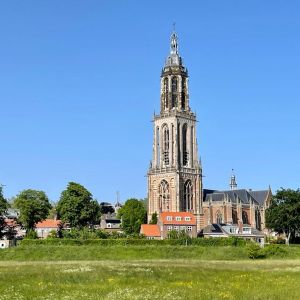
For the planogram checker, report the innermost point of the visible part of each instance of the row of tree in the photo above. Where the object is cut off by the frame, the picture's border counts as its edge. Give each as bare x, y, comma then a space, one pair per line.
76, 207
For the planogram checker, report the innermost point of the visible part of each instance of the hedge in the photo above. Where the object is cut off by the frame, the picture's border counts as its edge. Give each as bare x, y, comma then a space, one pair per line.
138, 242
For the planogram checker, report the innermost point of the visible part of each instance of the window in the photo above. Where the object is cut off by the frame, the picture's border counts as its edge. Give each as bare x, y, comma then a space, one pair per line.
169, 218
166, 136
187, 201
164, 196
108, 225
169, 228
219, 218
178, 218
245, 217
189, 228
184, 145
187, 218
176, 228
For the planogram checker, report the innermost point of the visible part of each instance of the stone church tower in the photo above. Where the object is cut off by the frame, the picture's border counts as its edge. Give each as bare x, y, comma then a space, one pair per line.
175, 173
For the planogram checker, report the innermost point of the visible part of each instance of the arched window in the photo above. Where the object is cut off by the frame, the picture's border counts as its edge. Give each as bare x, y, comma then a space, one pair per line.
174, 92
187, 202
166, 91
219, 218
166, 143
184, 145
164, 196
245, 217
157, 147
257, 219
174, 84
234, 217
183, 96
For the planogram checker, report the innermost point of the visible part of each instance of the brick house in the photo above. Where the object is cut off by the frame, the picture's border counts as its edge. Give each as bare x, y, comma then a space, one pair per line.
43, 228
168, 221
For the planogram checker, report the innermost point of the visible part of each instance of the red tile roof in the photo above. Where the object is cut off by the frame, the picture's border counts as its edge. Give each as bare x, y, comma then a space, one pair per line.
150, 230
174, 218
48, 223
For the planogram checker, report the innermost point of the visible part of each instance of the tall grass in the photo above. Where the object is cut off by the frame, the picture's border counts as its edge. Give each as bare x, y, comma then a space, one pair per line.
155, 279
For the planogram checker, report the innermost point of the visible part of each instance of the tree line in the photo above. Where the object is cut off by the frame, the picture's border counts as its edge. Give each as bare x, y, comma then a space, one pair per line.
76, 208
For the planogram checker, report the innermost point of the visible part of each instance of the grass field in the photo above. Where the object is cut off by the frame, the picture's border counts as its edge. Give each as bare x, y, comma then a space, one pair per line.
135, 272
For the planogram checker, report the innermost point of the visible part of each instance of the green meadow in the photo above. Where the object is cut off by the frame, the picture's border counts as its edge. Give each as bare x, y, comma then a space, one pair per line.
146, 272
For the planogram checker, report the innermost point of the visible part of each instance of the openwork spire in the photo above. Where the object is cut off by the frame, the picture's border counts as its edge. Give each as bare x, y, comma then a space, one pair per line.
174, 44
233, 184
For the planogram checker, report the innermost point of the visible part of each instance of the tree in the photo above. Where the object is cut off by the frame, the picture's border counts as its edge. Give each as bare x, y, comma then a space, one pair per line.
106, 208
153, 218
34, 207
283, 215
133, 215
3, 207
77, 207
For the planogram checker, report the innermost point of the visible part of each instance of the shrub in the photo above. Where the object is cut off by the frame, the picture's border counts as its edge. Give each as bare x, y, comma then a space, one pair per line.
31, 234
274, 250
254, 251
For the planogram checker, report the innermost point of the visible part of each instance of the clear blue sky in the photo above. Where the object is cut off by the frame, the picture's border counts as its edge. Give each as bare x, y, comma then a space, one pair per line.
79, 82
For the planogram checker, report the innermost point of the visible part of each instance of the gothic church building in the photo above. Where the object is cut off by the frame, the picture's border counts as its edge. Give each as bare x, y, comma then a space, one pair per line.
175, 172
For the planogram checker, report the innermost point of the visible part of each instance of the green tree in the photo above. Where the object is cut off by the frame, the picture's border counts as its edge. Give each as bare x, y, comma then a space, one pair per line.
283, 215
3, 207
34, 207
77, 207
133, 215
154, 218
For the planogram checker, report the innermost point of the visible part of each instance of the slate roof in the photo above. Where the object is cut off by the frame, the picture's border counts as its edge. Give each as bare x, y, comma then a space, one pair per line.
235, 196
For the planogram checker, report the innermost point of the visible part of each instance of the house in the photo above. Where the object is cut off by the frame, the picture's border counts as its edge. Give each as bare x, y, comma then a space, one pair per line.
151, 231
232, 230
110, 222
7, 243
43, 228
179, 221
169, 221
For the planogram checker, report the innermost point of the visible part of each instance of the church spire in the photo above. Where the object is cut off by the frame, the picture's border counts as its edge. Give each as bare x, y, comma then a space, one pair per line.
174, 42
233, 184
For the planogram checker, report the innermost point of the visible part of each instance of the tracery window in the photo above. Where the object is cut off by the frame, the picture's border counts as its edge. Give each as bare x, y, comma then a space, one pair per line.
234, 217
166, 91
219, 218
174, 92
245, 217
164, 196
166, 143
184, 145
187, 204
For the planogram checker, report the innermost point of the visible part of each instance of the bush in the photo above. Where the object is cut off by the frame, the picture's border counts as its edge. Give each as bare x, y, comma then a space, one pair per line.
274, 250
279, 240
31, 234
254, 251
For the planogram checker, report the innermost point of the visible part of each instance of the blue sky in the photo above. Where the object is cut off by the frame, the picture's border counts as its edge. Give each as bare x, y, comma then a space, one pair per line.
79, 82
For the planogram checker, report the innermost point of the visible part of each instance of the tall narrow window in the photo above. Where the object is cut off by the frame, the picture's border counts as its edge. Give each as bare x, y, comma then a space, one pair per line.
183, 95
166, 92
245, 217
172, 141
184, 145
219, 218
257, 219
166, 143
192, 146
157, 147
187, 204
174, 92
234, 217
164, 196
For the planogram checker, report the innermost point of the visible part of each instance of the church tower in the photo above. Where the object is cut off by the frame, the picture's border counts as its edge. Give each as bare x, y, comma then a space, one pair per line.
175, 173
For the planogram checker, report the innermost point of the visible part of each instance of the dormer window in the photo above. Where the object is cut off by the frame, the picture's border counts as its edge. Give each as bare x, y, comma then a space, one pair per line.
187, 218
178, 218
169, 218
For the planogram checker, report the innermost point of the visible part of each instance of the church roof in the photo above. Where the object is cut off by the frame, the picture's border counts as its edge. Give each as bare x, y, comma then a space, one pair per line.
235, 196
